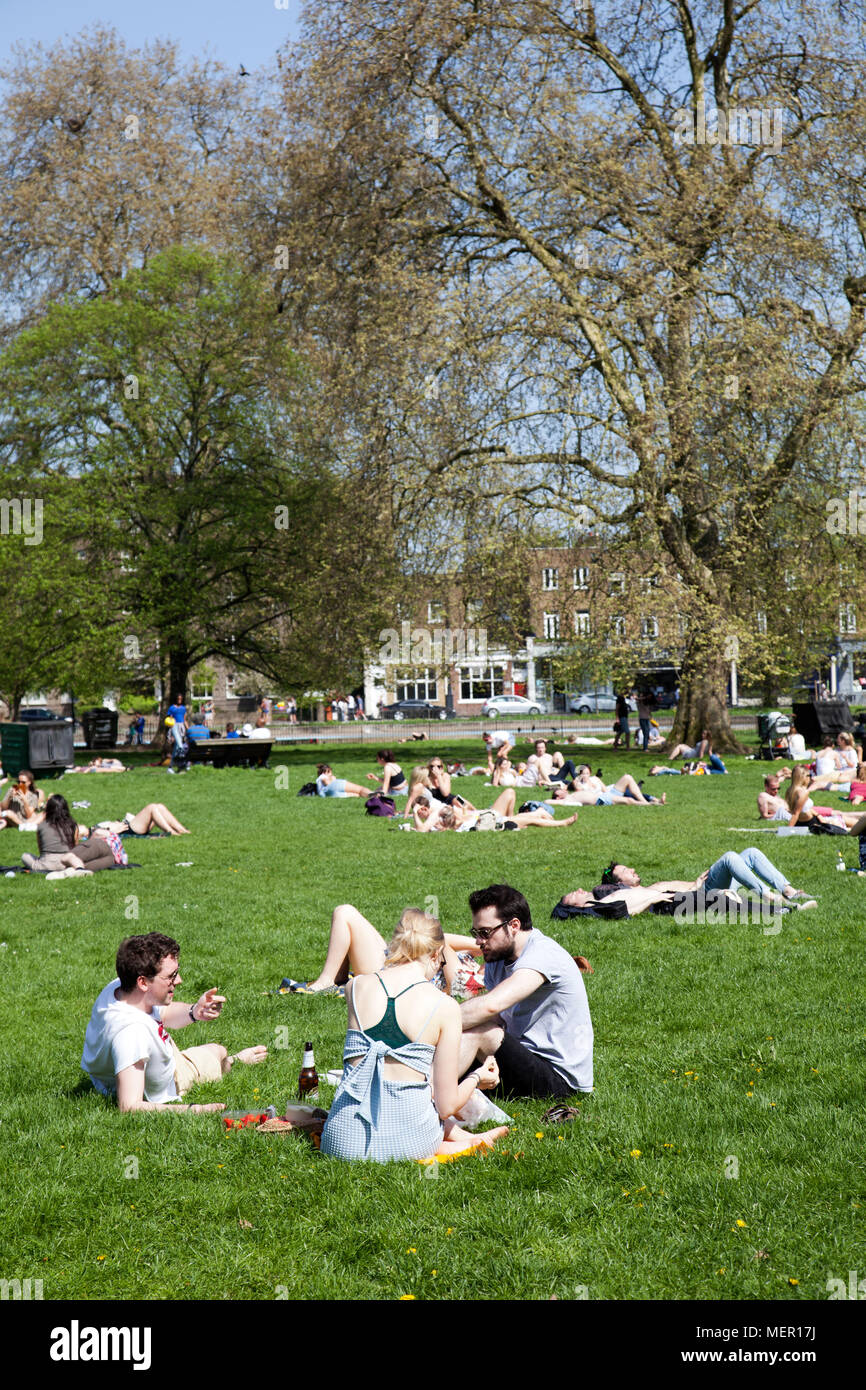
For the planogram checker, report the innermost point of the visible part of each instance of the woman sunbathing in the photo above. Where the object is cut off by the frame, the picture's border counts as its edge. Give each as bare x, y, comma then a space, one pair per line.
500, 816
392, 776
589, 790
329, 785
403, 1033
801, 810
142, 822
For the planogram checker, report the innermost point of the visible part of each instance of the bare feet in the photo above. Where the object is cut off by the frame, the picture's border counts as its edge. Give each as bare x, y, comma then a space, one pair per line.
460, 1140
570, 820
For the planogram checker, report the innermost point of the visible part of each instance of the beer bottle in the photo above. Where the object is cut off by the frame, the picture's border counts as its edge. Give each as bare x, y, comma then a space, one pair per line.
308, 1081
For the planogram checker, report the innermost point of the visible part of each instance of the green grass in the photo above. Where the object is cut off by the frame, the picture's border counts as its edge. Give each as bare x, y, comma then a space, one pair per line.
576, 1209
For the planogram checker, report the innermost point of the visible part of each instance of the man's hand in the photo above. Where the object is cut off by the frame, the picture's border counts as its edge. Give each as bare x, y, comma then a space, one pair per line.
488, 1075
209, 1006
207, 1109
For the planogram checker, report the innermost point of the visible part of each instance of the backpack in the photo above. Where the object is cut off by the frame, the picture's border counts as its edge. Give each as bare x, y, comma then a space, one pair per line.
379, 805
308, 789
488, 820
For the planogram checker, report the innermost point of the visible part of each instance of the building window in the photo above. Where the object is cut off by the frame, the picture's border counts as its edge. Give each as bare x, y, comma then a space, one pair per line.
581, 577
581, 624
418, 684
550, 579
480, 682
618, 626
551, 627
201, 683
649, 627
231, 685
648, 582
474, 611
761, 622
616, 583
847, 618
435, 611
790, 579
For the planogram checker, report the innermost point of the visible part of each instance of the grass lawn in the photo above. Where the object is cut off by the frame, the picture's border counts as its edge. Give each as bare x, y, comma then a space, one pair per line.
720, 1156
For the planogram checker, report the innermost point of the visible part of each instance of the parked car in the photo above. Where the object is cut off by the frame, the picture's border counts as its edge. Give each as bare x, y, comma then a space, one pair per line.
512, 704
38, 712
593, 701
415, 709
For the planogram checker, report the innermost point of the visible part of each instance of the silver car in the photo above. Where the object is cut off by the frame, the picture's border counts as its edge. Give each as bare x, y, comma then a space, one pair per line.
592, 702
512, 704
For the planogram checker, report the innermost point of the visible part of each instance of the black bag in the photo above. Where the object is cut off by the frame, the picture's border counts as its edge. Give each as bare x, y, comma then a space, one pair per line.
822, 827
309, 789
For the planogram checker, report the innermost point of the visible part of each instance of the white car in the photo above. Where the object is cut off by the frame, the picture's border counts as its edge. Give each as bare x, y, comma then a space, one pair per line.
591, 702
512, 704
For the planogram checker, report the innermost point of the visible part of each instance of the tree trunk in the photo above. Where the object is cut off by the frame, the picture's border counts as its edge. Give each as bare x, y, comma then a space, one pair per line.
703, 705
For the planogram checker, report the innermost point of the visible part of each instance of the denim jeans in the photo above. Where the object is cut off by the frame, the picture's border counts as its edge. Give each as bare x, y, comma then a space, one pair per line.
645, 732
566, 773
745, 870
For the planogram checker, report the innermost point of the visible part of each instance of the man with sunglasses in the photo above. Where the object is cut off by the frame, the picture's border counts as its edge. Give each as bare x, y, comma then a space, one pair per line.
534, 1017
127, 1051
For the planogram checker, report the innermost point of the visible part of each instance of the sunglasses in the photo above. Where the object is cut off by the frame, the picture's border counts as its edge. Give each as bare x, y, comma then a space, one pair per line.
485, 933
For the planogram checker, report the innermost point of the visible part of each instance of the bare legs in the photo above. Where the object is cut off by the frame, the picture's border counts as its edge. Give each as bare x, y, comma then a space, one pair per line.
353, 944
159, 815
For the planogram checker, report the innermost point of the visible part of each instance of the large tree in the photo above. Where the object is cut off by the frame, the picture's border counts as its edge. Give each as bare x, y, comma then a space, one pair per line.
176, 414
657, 218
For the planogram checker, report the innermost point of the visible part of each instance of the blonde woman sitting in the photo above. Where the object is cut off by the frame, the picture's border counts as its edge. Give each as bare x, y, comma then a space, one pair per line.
401, 1057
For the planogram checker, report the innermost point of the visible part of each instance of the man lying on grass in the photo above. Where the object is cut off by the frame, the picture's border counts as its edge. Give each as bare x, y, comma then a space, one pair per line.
751, 869
127, 1051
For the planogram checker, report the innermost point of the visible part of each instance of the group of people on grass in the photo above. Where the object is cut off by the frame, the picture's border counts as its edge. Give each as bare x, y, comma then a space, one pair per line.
67, 848
413, 1056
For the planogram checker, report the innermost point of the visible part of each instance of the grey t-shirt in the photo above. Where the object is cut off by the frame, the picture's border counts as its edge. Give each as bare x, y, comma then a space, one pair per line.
554, 1021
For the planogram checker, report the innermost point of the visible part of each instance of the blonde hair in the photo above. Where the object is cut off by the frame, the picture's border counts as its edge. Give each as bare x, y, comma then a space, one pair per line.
846, 738
416, 935
799, 781
419, 777
446, 819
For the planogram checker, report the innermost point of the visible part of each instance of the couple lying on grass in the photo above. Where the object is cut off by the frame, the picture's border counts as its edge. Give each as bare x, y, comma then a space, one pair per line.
750, 870
413, 1056
67, 849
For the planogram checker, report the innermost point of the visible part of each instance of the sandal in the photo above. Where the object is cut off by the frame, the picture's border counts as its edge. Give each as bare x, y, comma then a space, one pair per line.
303, 987
560, 1115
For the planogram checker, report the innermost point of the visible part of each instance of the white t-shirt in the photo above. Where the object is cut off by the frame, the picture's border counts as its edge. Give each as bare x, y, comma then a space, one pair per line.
796, 746
826, 762
117, 1037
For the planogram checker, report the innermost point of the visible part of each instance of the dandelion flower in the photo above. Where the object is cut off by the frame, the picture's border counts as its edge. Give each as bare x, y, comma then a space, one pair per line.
793, 1282
406, 1297
411, 1250
539, 1134
740, 1222
635, 1153
100, 1257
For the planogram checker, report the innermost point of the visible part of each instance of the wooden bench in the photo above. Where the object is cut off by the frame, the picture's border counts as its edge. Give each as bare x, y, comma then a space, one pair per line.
230, 752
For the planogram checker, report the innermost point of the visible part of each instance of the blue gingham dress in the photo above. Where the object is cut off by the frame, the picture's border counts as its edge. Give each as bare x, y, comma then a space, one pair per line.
375, 1118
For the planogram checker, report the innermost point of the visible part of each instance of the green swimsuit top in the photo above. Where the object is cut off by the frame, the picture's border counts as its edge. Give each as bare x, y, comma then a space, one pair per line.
388, 1030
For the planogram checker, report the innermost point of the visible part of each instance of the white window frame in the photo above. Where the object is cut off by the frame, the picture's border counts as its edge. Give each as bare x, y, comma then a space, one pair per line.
581, 623
481, 682
649, 626
551, 627
617, 624
616, 582
435, 611
761, 622
422, 681
580, 577
847, 619
550, 579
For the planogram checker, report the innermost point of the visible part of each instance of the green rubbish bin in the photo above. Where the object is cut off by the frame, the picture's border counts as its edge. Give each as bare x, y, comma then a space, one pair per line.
42, 745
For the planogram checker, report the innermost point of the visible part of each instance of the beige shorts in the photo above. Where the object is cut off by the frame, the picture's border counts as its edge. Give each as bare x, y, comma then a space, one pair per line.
195, 1065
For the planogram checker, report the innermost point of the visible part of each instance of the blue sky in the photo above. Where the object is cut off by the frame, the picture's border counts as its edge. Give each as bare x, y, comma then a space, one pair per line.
236, 31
